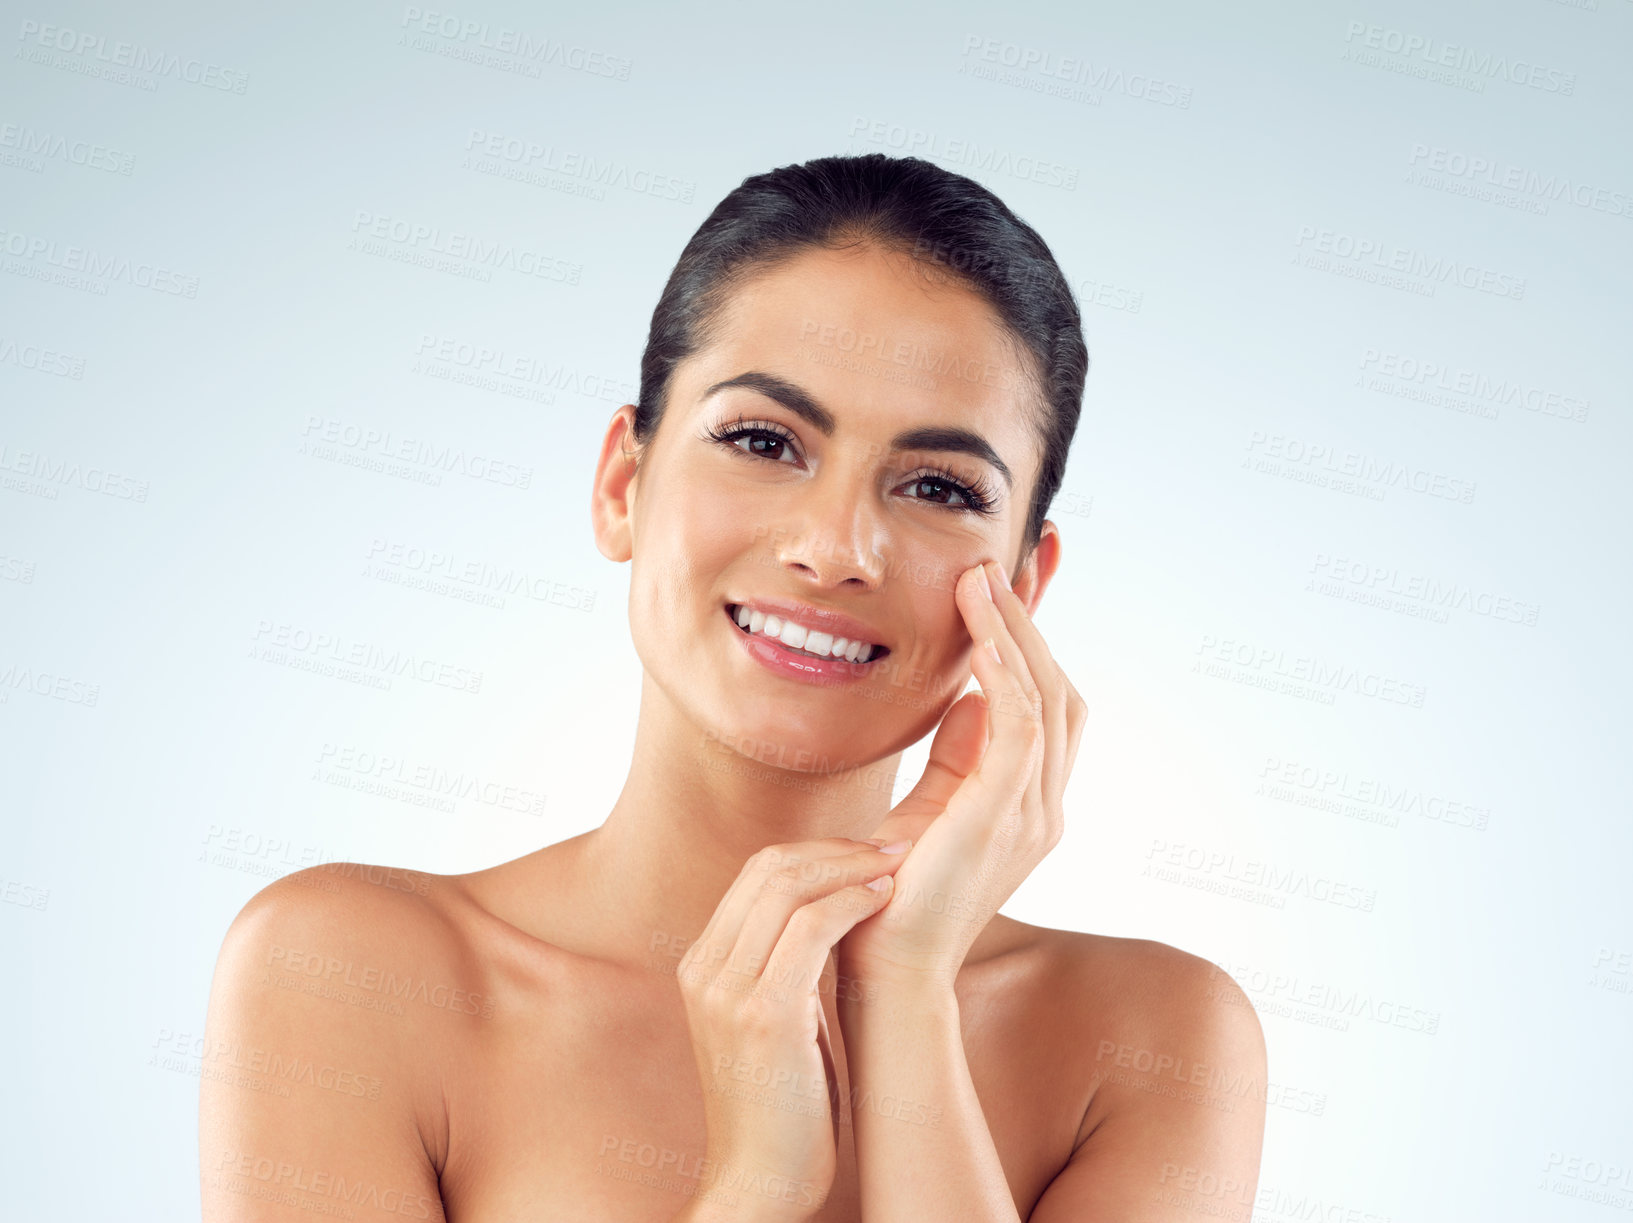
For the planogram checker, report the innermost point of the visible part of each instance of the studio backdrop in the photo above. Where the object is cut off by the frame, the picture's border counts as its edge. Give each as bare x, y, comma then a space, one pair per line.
311, 322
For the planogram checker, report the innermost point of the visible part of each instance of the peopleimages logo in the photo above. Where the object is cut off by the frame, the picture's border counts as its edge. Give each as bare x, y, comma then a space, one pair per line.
377, 234
1037, 66
33, 144
71, 473
1498, 175
80, 43
521, 154
904, 140
524, 47
97, 267
1415, 377
1374, 256
1434, 53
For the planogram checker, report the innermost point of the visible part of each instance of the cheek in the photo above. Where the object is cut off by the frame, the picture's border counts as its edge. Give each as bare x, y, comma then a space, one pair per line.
715, 510
934, 574
689, 536
942, 636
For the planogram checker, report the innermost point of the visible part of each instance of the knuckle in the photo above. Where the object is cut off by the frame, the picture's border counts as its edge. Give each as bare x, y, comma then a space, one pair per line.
847, 902
1016, 703
765, 860
699, 994
805, 920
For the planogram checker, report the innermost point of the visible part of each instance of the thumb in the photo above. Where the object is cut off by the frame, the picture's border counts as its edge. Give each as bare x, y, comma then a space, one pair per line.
960, 742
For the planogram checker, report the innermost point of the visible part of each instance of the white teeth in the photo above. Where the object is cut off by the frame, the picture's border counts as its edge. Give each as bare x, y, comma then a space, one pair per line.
798, 637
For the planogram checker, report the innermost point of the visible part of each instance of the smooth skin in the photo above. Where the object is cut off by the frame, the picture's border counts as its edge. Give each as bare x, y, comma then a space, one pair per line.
699, 1010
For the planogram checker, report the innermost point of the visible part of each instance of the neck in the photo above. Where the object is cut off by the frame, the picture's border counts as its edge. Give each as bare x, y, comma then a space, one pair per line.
694, 808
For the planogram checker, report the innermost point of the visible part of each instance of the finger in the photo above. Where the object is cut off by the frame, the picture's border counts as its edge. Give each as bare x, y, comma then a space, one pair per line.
830, 1071
983, 619
792, 889
1041, 719
1015, 712
720, 933
1006, 772
1041, 671
1064, 710
1077, 716
797, 960
1000, 618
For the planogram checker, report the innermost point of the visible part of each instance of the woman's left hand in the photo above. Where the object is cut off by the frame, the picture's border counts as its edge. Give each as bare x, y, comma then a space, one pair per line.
988, 807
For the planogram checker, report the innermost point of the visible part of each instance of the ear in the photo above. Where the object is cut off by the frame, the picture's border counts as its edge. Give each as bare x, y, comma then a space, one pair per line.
612, 499
1039, 567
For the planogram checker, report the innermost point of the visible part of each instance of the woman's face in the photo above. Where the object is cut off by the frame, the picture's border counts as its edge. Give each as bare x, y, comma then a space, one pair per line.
833, 360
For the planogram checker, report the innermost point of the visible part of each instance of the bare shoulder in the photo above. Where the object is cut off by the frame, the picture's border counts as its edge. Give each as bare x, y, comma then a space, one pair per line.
1129, 980
1141, 1021
344, 926
1150, 981
1168, 1056
333, 990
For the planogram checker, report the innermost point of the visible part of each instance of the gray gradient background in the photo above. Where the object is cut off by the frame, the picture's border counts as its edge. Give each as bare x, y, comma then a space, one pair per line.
137, 825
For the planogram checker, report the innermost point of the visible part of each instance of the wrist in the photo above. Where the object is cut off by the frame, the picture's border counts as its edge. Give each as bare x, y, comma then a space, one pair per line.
897, 992
733, 1189
871, 979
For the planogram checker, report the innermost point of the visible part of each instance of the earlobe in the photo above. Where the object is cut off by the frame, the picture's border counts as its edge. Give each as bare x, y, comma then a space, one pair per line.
612, 497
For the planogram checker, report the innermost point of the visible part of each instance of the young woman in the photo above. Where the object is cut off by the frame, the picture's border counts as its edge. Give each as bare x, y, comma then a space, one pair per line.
758, 991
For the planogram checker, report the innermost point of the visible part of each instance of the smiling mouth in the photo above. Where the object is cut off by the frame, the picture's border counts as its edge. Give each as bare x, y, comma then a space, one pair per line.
878, 651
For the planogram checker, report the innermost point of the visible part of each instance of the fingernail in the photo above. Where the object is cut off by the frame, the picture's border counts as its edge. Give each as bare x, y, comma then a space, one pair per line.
1003, 575
986, 585
881, 884
897, 847
992, 651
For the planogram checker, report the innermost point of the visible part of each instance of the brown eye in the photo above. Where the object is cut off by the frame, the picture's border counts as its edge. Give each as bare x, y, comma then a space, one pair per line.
939, 486
766, 445
942, 489
765, 441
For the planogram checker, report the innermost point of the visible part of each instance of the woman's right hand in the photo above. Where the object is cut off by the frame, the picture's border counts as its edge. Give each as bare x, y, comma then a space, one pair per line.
749, 984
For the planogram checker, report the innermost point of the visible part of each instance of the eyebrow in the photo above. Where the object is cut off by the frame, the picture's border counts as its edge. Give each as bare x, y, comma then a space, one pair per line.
927, 437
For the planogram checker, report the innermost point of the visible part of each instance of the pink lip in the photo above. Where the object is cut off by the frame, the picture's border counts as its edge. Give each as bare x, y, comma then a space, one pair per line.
824, 673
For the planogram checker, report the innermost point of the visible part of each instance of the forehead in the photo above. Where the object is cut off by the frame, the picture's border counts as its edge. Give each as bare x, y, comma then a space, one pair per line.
880, 343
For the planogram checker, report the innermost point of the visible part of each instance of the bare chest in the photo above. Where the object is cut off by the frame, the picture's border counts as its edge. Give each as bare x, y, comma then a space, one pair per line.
583, 1101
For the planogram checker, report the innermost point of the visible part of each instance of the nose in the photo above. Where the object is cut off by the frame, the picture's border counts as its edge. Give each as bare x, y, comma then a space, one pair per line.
833, 537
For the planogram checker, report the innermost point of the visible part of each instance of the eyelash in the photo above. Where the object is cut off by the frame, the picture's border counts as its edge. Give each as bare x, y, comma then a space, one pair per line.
978, 494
